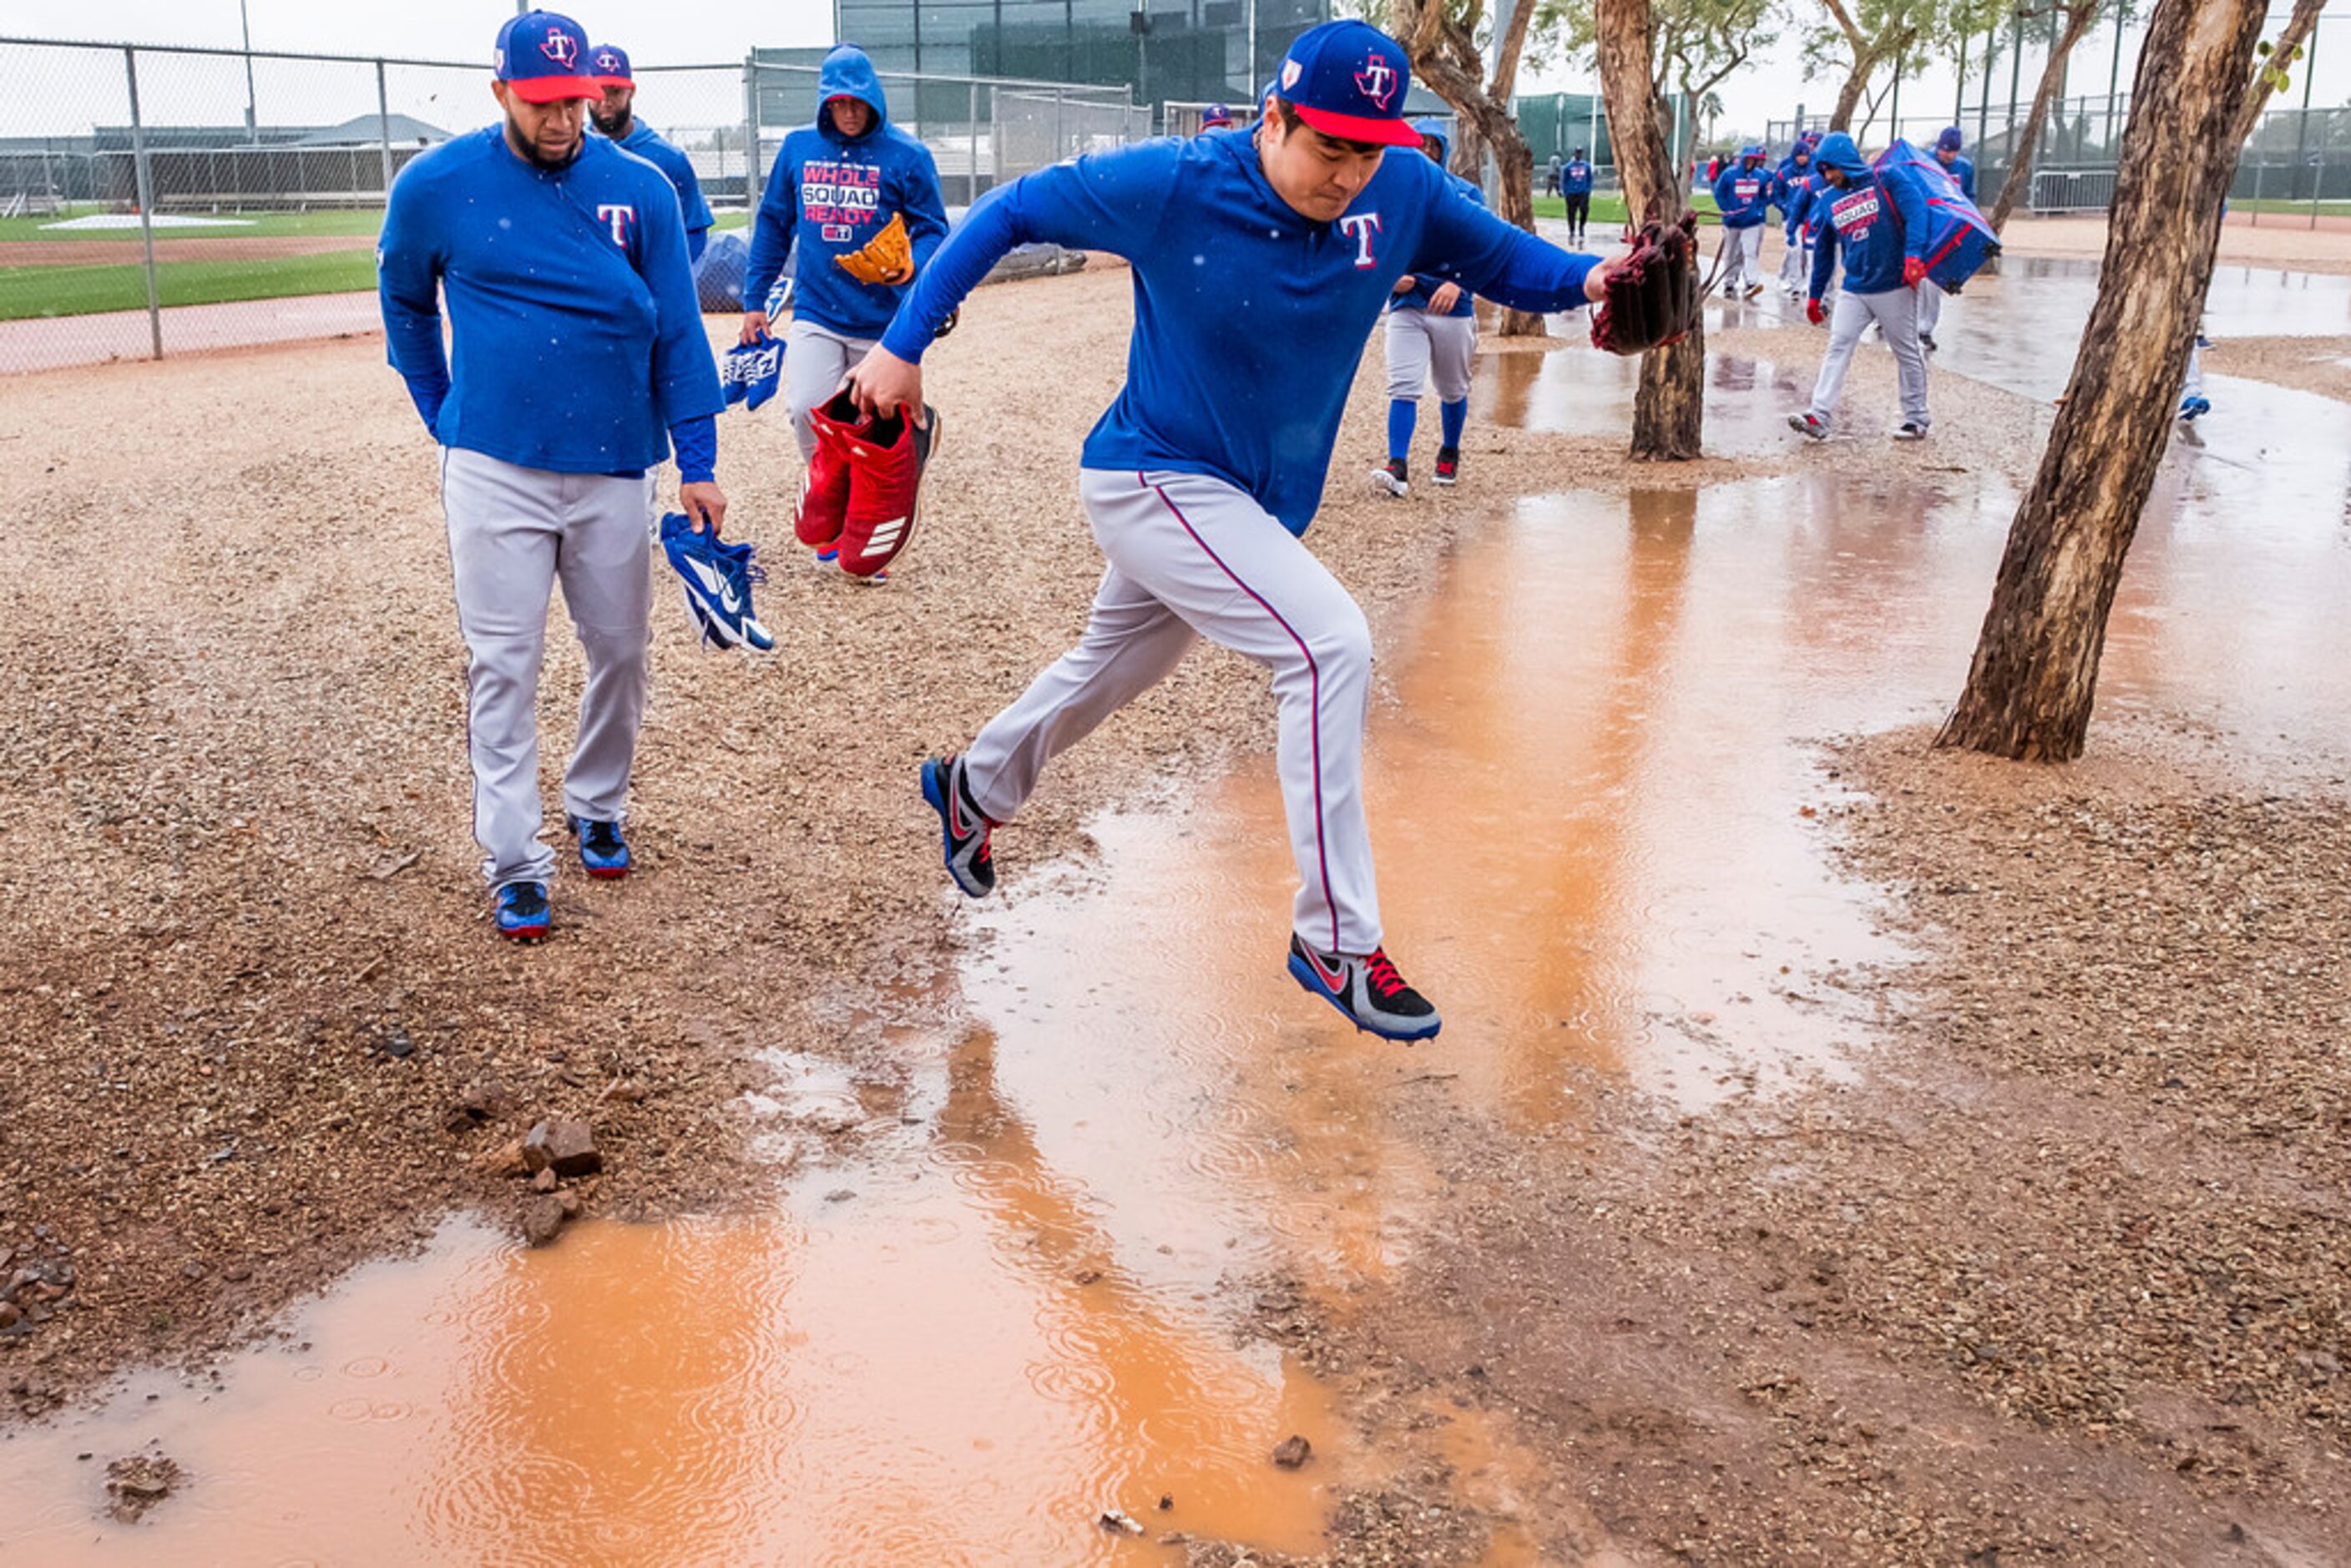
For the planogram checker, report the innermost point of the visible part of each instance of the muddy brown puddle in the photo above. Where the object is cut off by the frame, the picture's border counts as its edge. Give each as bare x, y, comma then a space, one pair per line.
1596, 794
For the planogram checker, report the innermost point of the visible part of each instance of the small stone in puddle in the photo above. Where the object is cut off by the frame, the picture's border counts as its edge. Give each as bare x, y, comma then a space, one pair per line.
1166, 1501
566, 1146
137, 1482
542, 1219
840, 1194
1112, 1519
1293, 1452
1085, 1276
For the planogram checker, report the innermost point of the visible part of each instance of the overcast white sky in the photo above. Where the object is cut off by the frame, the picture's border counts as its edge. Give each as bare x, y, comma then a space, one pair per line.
717, 30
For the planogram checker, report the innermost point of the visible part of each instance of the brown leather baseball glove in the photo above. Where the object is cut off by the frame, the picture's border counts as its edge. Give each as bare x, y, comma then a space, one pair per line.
1653, 294
884, 258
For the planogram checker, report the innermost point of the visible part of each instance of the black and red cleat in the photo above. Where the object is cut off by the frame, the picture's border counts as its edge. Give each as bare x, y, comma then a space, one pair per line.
1449, 465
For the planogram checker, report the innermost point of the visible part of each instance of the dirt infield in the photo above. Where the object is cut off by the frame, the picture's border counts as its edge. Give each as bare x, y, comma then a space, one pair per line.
2278, 240
209, 247
254, 1027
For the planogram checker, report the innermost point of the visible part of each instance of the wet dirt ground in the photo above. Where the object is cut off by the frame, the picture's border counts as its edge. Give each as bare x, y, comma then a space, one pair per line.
1062, 1233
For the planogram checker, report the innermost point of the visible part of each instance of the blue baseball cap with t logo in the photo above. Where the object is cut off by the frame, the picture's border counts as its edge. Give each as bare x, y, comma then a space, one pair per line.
543, 58
608, 64
1349, 79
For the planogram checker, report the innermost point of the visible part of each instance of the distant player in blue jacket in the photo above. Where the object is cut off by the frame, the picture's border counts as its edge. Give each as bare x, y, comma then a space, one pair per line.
580, 361
1743, 194
835, 185
1432, 334
1931, 298
1791, 194
1260, 263
1576, 184
1877, 221
615, 116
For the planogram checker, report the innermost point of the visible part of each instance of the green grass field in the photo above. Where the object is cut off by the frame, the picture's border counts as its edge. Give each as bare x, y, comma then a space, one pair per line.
30, 292
1609, 208
364, 221
2326, 209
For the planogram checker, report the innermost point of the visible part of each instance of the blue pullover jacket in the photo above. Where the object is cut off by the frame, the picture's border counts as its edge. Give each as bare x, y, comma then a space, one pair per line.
828, 194
648, 144
1424, 284
1575, 180
1743, 192
1250, 317
577, 337
1876, 221
1789, 178
1962, 169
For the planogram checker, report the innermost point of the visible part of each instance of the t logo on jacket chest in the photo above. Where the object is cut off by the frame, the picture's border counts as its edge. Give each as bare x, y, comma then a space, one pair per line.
1360, 228
618, 216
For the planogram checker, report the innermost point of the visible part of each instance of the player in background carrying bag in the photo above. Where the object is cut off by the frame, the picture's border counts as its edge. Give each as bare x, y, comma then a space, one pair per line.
838, 187
1879, 224
1963, 171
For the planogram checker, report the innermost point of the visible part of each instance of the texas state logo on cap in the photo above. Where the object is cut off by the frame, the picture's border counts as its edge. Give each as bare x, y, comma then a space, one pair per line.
1349, 79
609, 65
544, 57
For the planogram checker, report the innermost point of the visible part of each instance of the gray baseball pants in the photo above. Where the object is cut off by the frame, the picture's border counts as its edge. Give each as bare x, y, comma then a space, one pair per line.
1896, 312
512, 531
1194, 557
1424, 347
815, 359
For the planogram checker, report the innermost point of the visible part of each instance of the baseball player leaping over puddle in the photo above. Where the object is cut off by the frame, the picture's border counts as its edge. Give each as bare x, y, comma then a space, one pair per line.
1261, 262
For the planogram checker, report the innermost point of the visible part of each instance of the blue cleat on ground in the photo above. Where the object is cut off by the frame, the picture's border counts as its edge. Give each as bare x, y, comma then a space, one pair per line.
603, 852
522, 911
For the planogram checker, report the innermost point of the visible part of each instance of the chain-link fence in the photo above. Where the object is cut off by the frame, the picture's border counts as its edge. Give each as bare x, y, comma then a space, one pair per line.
2295, 168
155, 201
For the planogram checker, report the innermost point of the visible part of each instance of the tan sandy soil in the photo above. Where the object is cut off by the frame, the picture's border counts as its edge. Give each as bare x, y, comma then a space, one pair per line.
216, 247
235, 716
2278, 240
2321, 365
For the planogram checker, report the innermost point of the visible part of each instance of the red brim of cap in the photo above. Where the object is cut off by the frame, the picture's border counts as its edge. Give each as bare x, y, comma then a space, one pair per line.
554, 89
614, 81
1355, 128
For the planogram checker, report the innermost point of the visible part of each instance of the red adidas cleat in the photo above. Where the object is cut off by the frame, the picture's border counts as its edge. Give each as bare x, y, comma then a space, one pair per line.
886, 460
824, 494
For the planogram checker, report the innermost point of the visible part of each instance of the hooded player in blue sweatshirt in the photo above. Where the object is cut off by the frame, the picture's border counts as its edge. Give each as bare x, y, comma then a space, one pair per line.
835, 185
615, 117
1792, 183
1744, 192
1432, 332
1576, 185
1260, 263
1878, 222
579, 357
1931, 298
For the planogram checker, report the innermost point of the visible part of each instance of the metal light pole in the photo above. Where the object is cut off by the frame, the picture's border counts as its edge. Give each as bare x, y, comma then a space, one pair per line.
252, 121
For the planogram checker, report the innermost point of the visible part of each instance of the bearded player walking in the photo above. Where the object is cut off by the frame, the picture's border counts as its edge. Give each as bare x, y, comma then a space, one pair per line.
1261, 262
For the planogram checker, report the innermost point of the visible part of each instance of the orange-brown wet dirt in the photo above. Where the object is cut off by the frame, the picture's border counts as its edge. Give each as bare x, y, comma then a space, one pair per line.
1734, 1217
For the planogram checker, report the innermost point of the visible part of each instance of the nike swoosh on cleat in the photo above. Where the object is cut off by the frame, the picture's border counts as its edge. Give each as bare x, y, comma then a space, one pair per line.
715, 585
1336, 981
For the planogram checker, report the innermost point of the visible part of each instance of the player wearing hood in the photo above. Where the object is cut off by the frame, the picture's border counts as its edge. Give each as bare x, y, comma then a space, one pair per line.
1796, 179
836, 184
1877, 221
1432, 334
1743, 192
1931, 298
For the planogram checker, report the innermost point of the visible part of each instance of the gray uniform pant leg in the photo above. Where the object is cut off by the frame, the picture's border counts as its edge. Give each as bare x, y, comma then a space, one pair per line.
1896, 313
815, 359
1408, 348
513, 532
1425, 347
1930, 306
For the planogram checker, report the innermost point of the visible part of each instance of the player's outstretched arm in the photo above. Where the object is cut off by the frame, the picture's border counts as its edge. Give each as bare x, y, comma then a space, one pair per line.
1105, 201
1503, 262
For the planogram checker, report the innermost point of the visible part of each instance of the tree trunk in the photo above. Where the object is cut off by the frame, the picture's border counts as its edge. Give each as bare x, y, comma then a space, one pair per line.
1445, 56
2296, 34
1848, 99
2034, 678
2019, 177
1668, 412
